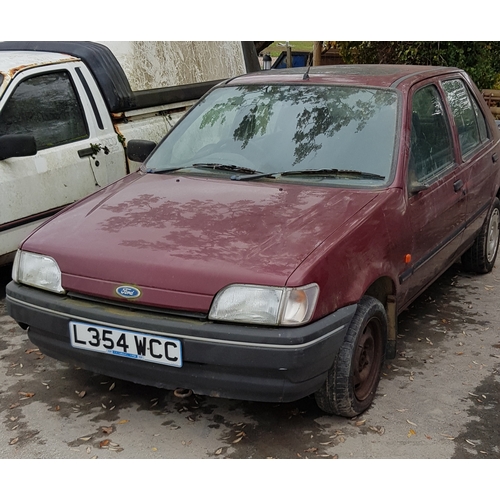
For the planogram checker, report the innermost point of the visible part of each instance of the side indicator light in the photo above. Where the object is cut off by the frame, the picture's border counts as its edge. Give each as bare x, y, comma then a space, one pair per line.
407, 258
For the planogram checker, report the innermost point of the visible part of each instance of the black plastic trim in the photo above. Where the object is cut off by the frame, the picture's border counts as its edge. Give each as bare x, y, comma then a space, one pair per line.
32, 218
95, 109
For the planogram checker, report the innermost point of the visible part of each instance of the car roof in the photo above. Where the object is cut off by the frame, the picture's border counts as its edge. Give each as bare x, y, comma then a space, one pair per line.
15, 61
378, 75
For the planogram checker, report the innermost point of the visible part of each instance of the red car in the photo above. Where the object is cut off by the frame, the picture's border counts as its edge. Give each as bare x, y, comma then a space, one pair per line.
267, 245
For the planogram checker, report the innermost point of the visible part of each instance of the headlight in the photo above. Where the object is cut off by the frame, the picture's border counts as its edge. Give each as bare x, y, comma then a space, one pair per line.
37, 270
265, 305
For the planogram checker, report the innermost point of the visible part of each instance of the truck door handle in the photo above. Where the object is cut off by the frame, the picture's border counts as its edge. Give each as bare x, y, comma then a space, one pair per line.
494, 157
85, 152
457, 185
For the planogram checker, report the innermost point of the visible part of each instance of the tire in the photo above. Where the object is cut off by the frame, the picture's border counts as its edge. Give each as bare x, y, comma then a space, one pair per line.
352, 380
480, 258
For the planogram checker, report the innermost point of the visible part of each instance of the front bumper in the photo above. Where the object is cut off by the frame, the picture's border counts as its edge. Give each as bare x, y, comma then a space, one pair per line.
224, 360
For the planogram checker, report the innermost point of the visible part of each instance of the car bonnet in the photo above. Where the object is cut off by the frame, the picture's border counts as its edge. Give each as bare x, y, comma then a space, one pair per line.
180, 239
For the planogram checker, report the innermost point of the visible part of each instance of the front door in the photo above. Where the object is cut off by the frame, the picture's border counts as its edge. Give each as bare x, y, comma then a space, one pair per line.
436, 203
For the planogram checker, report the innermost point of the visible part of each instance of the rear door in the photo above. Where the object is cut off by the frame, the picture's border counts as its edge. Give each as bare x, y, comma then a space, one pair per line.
479, 156
436, 204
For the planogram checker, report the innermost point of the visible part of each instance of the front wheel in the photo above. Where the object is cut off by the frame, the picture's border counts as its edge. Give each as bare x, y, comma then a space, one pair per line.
480, 258
352, 380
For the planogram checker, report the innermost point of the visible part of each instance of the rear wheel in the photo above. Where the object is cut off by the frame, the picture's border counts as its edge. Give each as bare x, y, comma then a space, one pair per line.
351, 382
480, 258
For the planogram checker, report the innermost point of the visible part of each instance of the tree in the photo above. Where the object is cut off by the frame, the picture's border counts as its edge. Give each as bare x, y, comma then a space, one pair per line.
480, 59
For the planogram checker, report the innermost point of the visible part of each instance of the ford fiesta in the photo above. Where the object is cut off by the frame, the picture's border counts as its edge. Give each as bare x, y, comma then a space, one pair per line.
267, 245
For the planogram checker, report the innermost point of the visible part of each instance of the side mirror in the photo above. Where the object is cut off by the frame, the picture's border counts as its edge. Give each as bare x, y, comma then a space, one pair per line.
138, 150
17, 145
415, 187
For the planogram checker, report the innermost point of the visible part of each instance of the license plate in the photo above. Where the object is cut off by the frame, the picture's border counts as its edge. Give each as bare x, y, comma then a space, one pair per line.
125, 343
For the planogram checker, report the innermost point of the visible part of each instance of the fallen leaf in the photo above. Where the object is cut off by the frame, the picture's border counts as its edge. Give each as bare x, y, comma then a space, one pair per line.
154, 449
411, 423
470, 442
112, 386
107, 430
326, 444
15, 405
359, 423
237, 440
27, 394
459, 353
14, 440
121, 422
81, 394
447, 436
104, 443
411, 433
85, 438
218, 451
311, 450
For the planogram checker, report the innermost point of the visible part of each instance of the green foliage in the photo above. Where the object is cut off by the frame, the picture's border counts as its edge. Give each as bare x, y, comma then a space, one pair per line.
480, 59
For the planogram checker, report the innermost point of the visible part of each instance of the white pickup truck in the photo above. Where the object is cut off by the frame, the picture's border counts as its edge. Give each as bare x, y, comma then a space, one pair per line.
67, 110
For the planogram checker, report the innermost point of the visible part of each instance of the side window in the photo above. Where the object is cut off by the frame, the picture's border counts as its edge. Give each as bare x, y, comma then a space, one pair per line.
481, 121
47, 107
431, 149
469, 120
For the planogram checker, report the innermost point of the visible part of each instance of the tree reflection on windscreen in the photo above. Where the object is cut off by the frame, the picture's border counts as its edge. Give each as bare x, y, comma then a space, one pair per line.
281, 127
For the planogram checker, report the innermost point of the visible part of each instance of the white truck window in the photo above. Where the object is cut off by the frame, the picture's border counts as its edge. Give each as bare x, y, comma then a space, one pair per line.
47, 107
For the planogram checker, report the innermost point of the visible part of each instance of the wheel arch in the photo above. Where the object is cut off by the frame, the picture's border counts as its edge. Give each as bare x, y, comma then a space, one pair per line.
384, 290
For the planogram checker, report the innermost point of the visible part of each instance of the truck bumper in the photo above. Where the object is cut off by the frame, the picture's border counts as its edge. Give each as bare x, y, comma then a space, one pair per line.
223, 360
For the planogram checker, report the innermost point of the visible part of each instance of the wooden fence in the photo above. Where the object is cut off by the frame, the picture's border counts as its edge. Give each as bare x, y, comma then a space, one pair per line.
492, 98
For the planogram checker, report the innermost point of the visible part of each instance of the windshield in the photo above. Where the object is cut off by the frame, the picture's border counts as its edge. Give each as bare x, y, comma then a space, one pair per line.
283, 128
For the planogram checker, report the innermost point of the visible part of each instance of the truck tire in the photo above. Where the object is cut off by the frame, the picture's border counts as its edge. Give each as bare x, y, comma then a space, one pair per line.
480, 258
352, 380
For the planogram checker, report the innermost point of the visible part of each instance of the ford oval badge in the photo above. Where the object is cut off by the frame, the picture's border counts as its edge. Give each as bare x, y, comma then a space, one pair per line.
128, 292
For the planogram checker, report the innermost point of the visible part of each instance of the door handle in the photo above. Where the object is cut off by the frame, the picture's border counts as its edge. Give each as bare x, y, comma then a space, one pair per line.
86, 152
457, 185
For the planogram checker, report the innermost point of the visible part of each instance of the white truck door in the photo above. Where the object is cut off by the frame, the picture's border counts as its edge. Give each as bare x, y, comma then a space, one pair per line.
75, 141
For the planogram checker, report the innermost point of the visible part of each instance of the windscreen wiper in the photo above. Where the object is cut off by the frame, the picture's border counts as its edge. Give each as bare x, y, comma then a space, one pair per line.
322, 171
231, 168
209, 166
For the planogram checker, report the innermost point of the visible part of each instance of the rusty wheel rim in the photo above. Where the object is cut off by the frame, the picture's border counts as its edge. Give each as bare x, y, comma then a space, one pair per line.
367, 360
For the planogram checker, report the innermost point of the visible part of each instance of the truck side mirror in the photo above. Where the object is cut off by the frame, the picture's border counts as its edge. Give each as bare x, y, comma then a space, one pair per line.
138, 149
16, 145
